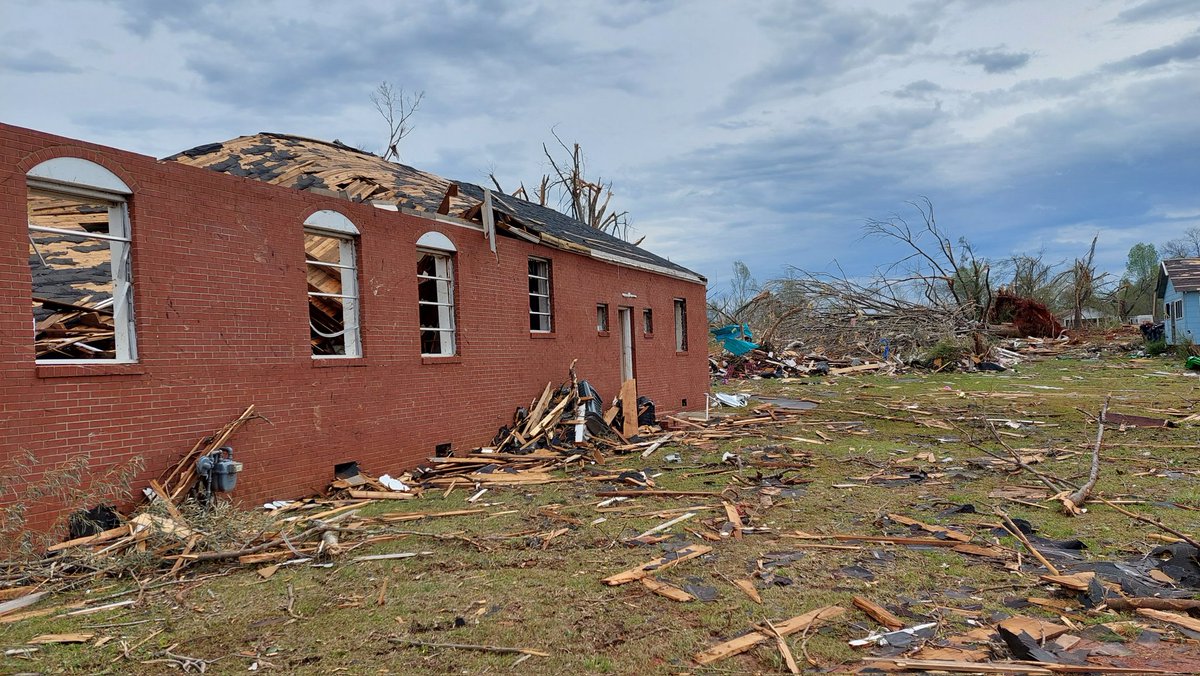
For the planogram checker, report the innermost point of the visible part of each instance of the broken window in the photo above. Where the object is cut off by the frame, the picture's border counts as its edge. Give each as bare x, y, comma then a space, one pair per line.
435, 294
647, 321
1179, 309
332, 265
602, 317
539, 295
80, 263
681, 325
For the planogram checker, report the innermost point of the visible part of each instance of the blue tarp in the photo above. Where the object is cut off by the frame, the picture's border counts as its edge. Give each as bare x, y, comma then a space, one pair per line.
732, 338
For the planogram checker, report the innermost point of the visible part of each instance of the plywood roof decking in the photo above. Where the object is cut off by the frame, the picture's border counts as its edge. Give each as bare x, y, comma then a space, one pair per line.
306, 164
1184, 274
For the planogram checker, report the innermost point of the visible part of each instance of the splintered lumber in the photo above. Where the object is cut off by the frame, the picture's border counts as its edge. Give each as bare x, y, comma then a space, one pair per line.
1184, 621
747, 641
1074, 582
959, 666
103, 536
1032, 668
381, 495
1040, 630
666, 590
1153, 603
747, 587
180, 479
929, 528
60, 638
629, 409
662, 563
878, 613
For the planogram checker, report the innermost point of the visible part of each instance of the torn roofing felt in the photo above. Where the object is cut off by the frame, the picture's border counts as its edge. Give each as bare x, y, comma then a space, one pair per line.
360, 176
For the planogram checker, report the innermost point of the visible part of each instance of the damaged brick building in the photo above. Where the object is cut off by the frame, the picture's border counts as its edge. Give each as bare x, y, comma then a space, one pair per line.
371, 311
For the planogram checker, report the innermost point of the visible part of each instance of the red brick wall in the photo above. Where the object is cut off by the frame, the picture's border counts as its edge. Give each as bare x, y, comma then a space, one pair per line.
219, 296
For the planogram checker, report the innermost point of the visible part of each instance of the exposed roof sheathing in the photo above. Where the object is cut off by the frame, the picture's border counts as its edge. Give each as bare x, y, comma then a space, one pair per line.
308, 164
1184, 274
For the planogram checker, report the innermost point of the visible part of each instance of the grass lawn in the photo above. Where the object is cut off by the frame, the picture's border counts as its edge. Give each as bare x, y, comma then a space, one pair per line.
493, 579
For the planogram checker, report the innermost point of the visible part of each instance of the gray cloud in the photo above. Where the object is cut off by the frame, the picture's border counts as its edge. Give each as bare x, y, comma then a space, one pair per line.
920, 90
1187, 49
820, 42
1159, 10
38, 61
996, 60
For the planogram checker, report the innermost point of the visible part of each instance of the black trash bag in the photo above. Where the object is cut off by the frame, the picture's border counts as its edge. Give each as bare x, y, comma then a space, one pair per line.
87, 522
1153, 332
595, 403
646, 412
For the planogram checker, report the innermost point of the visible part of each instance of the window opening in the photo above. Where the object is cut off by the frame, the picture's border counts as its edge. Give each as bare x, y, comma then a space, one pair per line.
435, 296
81, 268
332, 293
681, 337
539, 295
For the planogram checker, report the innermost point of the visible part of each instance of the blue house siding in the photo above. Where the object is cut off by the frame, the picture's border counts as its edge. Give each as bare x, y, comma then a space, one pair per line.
1187, 327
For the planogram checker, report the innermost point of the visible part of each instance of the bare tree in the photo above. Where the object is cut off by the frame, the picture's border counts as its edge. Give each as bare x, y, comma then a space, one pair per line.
948, 274
1083, 284
584, 200
396, 107
1187, 246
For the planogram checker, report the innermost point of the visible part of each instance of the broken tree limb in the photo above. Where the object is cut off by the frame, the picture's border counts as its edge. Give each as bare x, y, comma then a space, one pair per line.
1072, 503
470, 646
1157, 524
1016, 532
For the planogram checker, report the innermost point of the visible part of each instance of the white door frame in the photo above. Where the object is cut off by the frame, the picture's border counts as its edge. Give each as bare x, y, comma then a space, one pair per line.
625, 327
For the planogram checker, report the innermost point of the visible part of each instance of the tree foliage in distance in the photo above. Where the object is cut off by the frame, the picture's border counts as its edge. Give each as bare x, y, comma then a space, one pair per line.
1135, 292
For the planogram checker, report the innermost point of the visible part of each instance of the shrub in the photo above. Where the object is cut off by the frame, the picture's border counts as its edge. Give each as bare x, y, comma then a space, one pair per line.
1155, 347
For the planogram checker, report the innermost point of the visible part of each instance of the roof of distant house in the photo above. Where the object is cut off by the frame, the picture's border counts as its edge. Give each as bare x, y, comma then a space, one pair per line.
360, 176
1184, 274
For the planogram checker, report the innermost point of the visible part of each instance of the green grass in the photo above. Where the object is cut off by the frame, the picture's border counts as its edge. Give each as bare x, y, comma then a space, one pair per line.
517, 594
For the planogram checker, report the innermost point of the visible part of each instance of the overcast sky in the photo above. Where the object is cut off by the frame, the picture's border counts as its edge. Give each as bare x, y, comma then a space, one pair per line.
761, 131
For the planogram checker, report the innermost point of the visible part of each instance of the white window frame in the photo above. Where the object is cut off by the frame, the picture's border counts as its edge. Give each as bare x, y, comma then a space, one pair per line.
1179, 309
535, 315
681, 337
443, 279
73, 177
331, 224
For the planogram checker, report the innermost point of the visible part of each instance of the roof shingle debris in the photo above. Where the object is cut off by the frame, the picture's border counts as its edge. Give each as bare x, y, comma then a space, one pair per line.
1184, 274
308, 164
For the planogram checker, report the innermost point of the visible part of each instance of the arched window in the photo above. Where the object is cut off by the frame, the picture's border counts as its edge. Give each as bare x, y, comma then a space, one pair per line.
332, 264
80, 262
435, 294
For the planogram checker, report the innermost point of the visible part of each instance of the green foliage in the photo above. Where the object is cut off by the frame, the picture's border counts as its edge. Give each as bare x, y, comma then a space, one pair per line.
1155, 347
946, 351
1186, 347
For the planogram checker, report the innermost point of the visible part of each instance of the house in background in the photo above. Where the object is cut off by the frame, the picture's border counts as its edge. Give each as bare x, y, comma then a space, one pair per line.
1177, 298
370, 311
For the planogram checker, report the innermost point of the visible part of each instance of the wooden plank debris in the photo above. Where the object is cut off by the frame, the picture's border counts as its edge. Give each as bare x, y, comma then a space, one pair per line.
662, 563
755, 637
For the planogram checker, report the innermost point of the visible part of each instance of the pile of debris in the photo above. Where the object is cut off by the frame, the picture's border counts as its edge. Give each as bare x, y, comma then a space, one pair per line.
566, 426
80, 330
